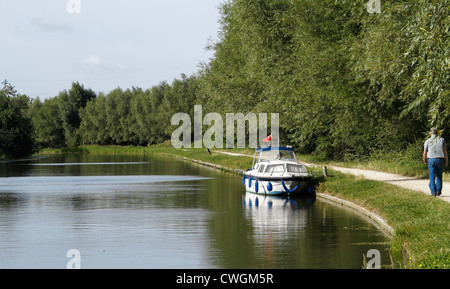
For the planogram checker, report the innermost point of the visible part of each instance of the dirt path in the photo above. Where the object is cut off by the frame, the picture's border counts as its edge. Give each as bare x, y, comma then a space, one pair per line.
398, 180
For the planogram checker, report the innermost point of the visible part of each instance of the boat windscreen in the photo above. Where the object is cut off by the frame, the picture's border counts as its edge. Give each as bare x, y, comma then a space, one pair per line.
277, 155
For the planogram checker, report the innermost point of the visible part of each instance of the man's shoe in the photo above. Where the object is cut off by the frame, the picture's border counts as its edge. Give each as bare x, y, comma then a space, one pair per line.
439, 193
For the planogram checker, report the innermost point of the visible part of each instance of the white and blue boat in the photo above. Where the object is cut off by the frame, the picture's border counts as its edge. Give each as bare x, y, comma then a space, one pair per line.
276, 171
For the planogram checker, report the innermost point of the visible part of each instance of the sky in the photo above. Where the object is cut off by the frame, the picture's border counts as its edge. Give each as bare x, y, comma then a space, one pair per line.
45, 45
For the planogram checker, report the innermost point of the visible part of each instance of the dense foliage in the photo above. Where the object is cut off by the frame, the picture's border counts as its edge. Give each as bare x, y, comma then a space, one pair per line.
121, 117
135, 116
347, 82
15, 125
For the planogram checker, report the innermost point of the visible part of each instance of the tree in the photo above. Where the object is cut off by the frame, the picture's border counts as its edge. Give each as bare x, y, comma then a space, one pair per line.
47, 123
345, 82
16, 131
93, 122
140, 115
70, 103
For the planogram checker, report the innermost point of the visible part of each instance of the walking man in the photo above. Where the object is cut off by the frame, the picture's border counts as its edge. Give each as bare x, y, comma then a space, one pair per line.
435, 154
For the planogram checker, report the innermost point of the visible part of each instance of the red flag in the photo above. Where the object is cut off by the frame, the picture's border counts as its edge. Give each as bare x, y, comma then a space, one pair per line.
268, 139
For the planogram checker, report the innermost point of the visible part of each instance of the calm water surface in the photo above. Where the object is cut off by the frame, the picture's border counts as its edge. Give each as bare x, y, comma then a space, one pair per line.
159, 212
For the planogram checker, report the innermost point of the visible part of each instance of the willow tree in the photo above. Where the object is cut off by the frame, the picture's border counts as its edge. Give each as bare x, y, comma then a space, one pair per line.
70, 103
347, 82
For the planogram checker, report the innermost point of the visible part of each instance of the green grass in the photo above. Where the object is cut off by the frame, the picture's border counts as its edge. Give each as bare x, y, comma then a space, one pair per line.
421, 225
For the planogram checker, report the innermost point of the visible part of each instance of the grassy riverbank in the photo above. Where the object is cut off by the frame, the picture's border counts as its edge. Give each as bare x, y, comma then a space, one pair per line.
226, 161
421, 225
422, 236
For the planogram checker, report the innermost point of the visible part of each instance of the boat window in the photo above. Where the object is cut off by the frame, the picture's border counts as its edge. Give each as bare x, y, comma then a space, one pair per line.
261, 168
296, 168
277, 155
286, 155
275, 169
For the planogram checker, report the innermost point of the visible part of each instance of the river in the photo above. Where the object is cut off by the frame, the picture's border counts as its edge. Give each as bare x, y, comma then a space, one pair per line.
155, 211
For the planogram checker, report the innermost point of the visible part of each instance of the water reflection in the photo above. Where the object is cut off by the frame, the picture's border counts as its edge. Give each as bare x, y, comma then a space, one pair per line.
276, 214
88, 184
159, 212
302, 232
10, 201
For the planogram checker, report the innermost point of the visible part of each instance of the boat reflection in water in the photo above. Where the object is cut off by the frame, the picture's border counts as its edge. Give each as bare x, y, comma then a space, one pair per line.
276, 212
278, 226
305, 233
